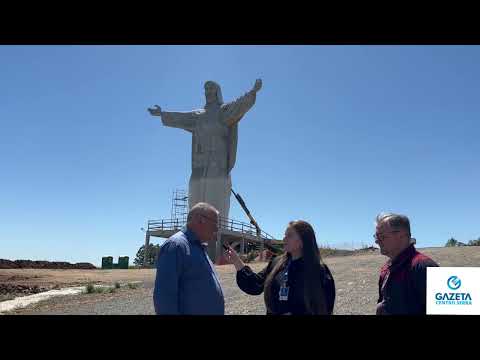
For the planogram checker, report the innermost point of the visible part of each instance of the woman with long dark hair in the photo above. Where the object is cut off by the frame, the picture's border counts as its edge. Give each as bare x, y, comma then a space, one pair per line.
297, 282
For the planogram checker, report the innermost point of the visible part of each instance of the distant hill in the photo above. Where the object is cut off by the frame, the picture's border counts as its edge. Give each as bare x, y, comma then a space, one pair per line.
29, 264
327, 252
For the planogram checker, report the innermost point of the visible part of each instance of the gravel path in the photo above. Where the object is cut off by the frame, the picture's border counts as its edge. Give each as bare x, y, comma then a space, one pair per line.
355, 276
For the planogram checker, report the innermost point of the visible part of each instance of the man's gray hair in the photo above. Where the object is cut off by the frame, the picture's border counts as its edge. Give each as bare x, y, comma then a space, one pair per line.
395, 221
201, 208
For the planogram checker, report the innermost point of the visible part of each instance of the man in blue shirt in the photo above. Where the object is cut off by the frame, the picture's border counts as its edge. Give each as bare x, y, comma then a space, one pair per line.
186, 282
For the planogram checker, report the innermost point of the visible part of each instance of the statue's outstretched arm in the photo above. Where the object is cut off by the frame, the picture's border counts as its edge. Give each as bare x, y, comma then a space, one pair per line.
235, 110
182, 120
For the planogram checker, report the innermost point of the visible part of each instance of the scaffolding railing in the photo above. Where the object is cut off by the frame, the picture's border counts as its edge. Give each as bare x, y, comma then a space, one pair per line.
224, 223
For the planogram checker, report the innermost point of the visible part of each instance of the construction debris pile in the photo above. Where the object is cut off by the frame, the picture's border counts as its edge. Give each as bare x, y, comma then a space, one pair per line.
29, 264
20, 290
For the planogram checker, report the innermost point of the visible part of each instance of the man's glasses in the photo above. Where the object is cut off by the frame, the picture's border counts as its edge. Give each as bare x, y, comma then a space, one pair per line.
380, 236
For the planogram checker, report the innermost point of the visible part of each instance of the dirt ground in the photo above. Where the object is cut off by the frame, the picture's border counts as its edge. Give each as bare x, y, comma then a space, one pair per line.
22, 282
356, 279
63, 278
46, 279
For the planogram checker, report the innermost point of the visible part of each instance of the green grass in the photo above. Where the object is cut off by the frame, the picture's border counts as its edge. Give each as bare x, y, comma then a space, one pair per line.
91, 289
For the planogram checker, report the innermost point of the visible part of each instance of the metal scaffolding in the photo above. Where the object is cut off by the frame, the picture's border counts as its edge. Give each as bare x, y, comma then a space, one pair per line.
179, 205
241, 235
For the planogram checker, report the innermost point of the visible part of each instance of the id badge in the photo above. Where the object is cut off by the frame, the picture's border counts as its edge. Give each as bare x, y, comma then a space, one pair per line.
283, 293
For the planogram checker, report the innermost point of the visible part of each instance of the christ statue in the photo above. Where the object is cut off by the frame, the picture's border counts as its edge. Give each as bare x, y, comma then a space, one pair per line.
214, 132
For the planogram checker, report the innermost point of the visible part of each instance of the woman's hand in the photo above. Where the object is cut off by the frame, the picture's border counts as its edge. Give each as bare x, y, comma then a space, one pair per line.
232, 257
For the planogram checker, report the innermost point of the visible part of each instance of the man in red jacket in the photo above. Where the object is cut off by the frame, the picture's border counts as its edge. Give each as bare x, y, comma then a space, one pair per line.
403, 278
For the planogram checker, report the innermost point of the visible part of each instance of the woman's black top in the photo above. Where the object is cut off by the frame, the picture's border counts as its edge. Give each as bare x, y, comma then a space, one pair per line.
253, 284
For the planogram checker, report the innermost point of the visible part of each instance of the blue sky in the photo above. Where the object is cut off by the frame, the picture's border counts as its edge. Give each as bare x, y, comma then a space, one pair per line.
337, 135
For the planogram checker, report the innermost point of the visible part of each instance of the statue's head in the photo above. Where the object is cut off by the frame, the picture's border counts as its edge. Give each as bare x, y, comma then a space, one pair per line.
213, 93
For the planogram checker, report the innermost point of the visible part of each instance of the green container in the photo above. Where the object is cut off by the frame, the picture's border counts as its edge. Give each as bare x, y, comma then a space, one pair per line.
107, 262
123, 262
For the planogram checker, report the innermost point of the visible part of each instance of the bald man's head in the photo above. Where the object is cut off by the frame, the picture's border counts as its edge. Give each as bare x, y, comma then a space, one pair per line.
203, 220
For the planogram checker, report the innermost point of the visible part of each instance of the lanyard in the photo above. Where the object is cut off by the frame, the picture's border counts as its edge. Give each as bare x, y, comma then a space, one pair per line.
285, 274
283, 293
